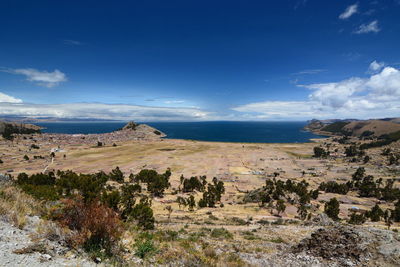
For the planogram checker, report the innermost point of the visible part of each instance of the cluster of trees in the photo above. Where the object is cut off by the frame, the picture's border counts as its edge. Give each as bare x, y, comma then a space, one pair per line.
354, 151
276, 192
156, 183
334, 187
212, 192
393, 158
90, 188
192, 184
189, 202
92, 207
383, 140
366, 186
376, 214
10, 129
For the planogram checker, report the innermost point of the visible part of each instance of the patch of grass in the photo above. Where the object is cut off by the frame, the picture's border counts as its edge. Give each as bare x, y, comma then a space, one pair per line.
250, 236
145, 248
221, 233
238, 221
15, 205
167, 235
276, 240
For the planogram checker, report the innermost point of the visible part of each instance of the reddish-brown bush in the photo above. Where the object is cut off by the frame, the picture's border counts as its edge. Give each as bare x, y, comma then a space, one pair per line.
96, 225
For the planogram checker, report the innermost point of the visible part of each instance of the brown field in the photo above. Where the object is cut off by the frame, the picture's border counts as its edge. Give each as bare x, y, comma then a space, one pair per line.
242, 167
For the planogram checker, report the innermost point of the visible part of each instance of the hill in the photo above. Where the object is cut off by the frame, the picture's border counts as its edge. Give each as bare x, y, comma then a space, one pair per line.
374, 128
7, 129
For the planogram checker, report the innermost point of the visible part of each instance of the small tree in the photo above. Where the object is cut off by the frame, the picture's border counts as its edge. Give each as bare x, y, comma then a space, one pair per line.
191, 202
395, 214
280, 206
388, 216
357, 218
169, 210
116, 175
332, 208
359, 174
143, 214
26, 157
375, 213
181, 201
302, 211
319, 152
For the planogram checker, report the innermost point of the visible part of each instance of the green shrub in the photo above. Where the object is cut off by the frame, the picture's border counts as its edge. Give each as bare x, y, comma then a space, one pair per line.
145, 248
156, 183
221, 233
375, 214
143, 214
213, 194
319, 152
357, 218
332, 209
117, 175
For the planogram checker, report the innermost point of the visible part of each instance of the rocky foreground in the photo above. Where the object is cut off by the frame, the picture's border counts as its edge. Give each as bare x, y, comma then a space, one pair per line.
330, 244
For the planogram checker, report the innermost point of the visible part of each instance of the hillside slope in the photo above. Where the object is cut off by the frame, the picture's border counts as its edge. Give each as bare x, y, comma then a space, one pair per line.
7, 129
373, 128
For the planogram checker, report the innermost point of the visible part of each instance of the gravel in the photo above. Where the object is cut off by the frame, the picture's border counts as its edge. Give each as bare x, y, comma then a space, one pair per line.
17, 249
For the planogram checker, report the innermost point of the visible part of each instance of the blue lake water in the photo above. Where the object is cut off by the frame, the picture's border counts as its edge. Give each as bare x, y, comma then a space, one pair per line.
222, 131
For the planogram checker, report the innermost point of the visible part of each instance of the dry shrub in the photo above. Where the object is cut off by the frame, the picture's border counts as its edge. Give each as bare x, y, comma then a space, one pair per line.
96, 226
15, 205
52, 231
210, 252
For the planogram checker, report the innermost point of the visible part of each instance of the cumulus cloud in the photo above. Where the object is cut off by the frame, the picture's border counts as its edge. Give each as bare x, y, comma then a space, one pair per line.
350, 11
367, 28
42, 78
8, 99
375, 67
356, 97
103, 111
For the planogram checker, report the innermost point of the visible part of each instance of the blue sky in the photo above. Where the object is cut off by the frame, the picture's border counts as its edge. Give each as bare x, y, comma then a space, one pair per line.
200, 60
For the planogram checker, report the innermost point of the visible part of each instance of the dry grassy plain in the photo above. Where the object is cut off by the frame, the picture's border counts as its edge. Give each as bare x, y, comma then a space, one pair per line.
241, 166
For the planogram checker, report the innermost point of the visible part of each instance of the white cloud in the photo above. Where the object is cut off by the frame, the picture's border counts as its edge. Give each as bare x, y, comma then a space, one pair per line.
311, 71
8, 99
174, 102
367, 28
277, 110
72, 42
103, 111
375, 67
43, 78
372, 97
350, 11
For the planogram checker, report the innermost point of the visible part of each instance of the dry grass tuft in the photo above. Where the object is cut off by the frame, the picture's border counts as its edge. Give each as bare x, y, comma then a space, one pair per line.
15, 205
52, 231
